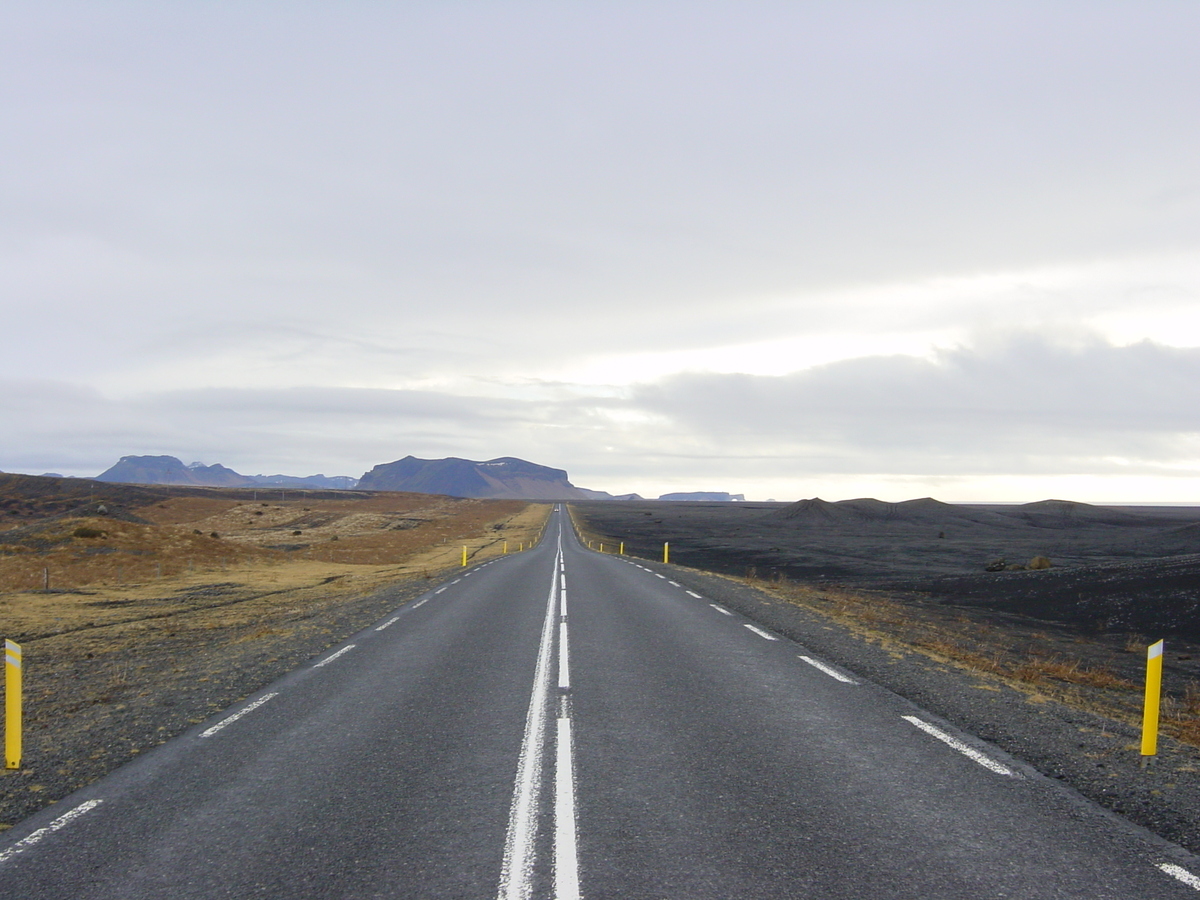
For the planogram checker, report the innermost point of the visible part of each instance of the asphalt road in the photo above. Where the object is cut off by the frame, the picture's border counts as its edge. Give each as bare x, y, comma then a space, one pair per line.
558, 723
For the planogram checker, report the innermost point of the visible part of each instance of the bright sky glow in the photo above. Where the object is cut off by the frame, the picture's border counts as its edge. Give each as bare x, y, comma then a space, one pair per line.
780, 249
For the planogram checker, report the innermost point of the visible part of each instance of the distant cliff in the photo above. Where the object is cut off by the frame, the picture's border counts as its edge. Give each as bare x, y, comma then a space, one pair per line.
505, 478
704, 496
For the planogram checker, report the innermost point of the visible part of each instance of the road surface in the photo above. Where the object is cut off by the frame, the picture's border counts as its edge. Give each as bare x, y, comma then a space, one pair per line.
561, 723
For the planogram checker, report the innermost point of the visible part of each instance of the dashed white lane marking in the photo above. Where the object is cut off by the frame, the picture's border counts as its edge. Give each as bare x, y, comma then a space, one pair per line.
1181, 873
693, 594
439, 590
656, 575
673, 583
65, 819
229, 720
566, 853
970, 752
392, 621
419, 603
564, 677
828, 670
721, 609
327, 660
762, 634
456, 581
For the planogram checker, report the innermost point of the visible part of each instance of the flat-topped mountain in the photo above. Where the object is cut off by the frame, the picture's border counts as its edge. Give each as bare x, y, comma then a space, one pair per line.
504, 478
704, 496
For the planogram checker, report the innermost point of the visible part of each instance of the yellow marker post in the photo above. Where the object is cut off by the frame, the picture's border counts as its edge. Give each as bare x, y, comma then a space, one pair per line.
602, 546
1154, 664
506, 548
12, 705
622, 550
464, 555
666, 552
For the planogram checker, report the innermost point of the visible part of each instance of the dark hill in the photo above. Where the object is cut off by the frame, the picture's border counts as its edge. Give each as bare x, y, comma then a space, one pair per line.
505, 478
1070, 514
867, 512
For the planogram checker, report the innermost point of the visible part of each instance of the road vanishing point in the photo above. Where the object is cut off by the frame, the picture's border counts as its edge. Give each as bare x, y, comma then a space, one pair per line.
561, 723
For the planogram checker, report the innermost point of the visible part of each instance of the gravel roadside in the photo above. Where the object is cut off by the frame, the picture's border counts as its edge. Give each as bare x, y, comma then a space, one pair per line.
90, 709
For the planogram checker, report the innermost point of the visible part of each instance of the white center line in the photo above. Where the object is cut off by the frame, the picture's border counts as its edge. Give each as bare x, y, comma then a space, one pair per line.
970, 752
229, 720
516, 875
327, 660
1181, 873
392, 621
721, 609
828, 670
26, 842
762, 634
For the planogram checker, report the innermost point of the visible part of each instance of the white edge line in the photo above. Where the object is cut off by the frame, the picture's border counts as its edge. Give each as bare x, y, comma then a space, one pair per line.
392, 621
334, 656
229, 720
828, 670
29, 840
1180, 873
721, 609
970, 752
762, 634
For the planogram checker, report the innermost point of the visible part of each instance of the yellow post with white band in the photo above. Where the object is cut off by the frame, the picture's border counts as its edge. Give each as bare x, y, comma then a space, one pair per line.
12, 705
1154, 667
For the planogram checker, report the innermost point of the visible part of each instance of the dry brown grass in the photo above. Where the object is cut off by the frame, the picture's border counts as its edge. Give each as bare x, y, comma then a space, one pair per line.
982, 649
133, 572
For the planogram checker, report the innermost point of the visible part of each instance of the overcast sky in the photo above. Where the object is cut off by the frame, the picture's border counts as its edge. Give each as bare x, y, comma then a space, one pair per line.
836, 249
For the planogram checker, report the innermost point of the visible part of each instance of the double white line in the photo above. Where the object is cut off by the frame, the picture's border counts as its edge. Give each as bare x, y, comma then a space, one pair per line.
520, 851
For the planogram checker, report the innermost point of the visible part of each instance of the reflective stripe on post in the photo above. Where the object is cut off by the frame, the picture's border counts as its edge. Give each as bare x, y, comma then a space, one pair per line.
12, 705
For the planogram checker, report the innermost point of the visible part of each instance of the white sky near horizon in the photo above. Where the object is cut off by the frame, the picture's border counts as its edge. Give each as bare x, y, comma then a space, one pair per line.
890, 249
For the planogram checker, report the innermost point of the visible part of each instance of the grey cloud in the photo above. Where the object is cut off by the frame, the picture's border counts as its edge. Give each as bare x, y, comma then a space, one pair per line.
1018, 405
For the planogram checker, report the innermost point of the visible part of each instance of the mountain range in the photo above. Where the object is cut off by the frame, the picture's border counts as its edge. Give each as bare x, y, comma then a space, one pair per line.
506, 478
503, 478
169, 470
